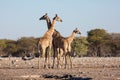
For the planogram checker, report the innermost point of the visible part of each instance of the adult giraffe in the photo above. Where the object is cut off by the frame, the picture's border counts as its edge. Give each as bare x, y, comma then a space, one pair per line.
56, 36
46, 41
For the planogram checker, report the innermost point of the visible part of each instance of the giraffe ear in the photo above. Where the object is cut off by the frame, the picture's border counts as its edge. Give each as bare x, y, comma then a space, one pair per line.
45, 13
76, 29
56, 15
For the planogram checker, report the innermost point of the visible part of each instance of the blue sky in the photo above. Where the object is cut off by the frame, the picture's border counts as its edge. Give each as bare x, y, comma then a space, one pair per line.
20, 18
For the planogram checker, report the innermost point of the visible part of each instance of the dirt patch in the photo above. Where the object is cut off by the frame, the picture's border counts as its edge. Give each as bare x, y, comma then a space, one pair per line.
83, 69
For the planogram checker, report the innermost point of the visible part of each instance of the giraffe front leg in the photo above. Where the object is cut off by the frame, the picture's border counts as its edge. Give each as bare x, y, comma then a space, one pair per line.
54, 52
58, 61
44, 58
61, 59
59, 55
65, 61
49, 56
69, 55
71, 63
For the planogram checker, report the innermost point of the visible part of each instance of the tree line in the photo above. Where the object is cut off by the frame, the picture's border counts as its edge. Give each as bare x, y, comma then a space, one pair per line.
98, 43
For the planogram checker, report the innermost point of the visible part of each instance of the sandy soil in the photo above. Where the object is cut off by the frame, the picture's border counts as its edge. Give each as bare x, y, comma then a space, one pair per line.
86, 68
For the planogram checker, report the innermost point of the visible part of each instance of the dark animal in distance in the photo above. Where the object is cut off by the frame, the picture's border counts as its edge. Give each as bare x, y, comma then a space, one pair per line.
27, 58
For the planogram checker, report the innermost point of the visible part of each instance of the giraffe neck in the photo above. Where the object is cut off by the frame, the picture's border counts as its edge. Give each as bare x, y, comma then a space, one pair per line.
56, 33
71, 37
53, 23
52, 28
50, 31
48, 22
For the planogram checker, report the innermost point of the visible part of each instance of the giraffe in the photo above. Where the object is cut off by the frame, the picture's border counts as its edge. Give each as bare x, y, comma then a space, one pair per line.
56, 36
58, 39
46, 41
65, 48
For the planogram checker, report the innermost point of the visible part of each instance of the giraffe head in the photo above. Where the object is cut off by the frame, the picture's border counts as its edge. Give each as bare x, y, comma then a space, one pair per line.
44, 17
76, 31
57, 18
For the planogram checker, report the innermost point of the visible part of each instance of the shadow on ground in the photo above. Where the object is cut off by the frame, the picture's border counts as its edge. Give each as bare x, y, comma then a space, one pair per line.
65, 77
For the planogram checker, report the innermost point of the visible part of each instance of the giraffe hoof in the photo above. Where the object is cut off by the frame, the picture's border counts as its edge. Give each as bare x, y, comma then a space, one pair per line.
49, 67
52, 67
44, 66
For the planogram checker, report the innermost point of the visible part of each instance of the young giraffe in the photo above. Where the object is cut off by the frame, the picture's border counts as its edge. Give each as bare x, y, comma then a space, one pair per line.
46, 41
65, 47
56, 36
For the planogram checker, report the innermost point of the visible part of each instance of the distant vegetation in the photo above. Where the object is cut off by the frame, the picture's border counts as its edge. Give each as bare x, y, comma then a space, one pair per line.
98, 43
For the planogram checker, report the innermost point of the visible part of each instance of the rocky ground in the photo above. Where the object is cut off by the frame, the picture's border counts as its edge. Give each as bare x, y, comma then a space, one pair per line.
85, 68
